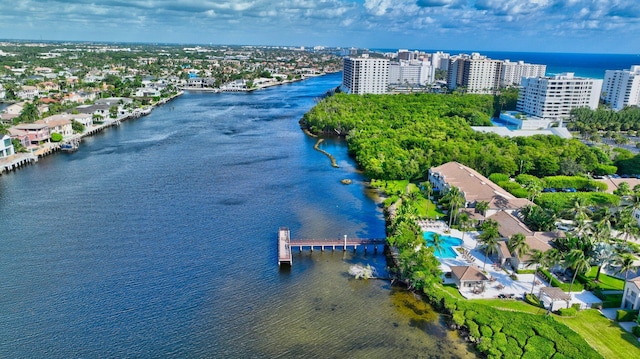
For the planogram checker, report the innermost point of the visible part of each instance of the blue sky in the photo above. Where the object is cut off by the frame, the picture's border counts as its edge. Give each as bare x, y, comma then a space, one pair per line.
593, 26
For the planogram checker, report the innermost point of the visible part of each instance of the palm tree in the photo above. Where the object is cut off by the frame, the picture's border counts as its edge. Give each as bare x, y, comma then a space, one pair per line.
583, 229
534, 189
489, 239
448, 198
437, 243
518, 244
578, 262
627, 224
465, 223
604, 224
537, 258
633, 200
580, 210
602, 253
623, 190
456, 201
427, 191
482, 207
626, 264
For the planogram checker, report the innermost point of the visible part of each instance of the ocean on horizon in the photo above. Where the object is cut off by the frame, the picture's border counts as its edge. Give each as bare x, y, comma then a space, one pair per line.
582, 64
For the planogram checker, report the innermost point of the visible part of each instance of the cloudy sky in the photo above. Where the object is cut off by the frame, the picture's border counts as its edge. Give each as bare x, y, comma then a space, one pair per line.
596, 26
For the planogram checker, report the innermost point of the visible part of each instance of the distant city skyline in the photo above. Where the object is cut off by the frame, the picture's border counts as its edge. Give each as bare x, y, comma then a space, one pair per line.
583, 26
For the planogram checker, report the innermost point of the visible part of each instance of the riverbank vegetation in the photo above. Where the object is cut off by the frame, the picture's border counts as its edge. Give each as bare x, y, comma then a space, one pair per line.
402, 136
496, 333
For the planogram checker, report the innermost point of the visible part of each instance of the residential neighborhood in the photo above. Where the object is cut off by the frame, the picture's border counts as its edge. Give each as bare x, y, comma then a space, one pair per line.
57, 93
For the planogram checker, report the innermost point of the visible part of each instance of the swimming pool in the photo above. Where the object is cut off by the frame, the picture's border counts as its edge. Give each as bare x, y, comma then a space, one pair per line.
448, 243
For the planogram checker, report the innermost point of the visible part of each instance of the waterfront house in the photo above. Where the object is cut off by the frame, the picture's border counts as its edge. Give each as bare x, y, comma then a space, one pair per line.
6, 147
631, 294
20, 135
58, 124
468, 277
114, 101
37, 132
100, 110
147, 92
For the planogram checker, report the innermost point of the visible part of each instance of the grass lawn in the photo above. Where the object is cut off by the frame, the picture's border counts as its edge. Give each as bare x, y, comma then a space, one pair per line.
453, 290
607, 282
424, 206
514, 305
432, 213
392, 187
603, 334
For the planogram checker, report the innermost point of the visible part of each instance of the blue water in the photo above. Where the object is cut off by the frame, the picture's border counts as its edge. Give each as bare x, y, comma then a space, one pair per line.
583, 65
499, 122
158, 239
449, 242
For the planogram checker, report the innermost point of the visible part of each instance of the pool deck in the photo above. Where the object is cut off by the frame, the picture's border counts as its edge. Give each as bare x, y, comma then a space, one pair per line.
502, 283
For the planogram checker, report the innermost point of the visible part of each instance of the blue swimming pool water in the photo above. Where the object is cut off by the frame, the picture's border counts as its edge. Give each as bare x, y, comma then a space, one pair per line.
447, 248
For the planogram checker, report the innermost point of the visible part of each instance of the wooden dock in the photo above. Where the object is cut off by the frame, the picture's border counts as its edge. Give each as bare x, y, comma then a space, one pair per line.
284, 248
285, 244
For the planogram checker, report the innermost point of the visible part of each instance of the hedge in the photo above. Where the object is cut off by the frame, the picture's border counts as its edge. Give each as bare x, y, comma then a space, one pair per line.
568, 312
533, 300
514, 188
636, 330
525, 180
507, 334
626, 315
539, 347
498, 177
561, 201
520, 334
577, 182
609, 300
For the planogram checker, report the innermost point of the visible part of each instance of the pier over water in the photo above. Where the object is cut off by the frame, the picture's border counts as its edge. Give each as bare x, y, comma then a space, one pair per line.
285, 243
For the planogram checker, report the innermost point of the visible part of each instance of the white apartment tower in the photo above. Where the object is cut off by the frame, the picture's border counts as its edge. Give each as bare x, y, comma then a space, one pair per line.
622, 87
554, 97
476, 73
362, 75
440, 60
413, 73
513, 72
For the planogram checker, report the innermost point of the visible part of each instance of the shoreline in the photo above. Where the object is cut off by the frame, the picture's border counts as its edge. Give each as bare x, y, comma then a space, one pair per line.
258, 87
19, 160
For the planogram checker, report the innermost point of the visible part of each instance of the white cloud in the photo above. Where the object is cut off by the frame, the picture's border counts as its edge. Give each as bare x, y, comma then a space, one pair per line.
328, 21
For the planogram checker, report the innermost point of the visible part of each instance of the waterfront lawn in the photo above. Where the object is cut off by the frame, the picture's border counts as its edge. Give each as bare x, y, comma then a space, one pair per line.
513, 305
392, 188
425, 207
606, 282
452, 289
606, 336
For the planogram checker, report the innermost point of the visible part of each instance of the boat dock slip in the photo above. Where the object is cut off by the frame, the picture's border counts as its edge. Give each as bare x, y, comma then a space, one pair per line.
285, 243
284, 249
